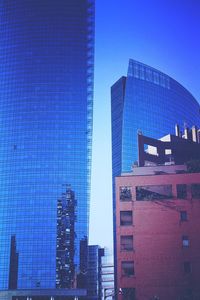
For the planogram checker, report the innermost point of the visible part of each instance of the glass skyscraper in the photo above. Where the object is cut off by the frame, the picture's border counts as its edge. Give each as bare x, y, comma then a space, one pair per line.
46, 103
148, 101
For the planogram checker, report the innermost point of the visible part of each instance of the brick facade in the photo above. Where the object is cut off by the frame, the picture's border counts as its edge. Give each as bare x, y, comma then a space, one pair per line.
164, 258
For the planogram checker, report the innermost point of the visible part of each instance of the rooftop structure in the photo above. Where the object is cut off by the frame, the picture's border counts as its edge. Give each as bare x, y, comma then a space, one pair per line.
170, 149
94, 282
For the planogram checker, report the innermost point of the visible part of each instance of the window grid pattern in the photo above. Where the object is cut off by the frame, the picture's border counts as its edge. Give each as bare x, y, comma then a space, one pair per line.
153, 105
46, 95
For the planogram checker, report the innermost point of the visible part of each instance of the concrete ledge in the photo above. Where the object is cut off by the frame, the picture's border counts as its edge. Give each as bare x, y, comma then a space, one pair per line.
36, 293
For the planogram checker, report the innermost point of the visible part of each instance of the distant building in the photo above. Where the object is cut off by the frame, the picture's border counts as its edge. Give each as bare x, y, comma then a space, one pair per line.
107, 275
14, 261
94, 284
157, 231
65, 242
82, 276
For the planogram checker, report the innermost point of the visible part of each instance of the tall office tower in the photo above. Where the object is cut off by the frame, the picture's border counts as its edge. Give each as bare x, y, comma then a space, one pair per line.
148, 101
46, 101
94, 273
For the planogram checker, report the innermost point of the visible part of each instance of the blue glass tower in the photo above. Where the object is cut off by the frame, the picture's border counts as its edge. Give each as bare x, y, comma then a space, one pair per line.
46, 102
149, 101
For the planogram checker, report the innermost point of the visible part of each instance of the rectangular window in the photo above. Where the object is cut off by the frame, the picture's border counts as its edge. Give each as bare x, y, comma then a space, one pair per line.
136, 71
153, 192
125, 193
149, 75
141, 72
128, 268
153, 150
185, 241
126, 243
183, 215
162, 80
188, 294
168, 151
126, 218
181, 191
195, 190
187, 267
156, 77
128, 294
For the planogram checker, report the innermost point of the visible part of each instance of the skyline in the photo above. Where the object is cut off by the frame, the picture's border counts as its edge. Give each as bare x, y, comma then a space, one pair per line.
166, 43
163, 35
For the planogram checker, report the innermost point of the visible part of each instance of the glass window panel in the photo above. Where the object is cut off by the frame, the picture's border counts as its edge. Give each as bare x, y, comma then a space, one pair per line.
128, 294
183, 216
126, 218
125, 193
181, 191
187, 267
195, 190
153, 192
126, 242
128, 268
185, 241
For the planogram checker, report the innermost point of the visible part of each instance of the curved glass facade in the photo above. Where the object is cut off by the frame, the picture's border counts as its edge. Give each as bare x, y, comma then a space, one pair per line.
152, 102
46, 100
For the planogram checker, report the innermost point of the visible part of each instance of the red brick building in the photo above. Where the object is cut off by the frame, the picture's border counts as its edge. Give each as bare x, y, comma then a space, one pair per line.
158, 234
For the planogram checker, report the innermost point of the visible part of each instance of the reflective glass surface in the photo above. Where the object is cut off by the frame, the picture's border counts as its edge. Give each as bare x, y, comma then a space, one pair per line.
153, 104
148, 101
46, 95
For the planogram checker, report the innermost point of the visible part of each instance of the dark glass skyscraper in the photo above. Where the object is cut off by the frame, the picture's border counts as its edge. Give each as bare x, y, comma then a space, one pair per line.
149, 101
46, 101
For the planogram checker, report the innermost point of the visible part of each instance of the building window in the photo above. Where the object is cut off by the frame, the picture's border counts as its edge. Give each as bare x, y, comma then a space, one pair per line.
149, 75
128, 268
187, 267
183, 215
185, 241
168, 151
141, 72
153, 192
136, 71
156, 77
126, 243
125, 193
195, 191
181, 191
126, 218
128, 294
188, 295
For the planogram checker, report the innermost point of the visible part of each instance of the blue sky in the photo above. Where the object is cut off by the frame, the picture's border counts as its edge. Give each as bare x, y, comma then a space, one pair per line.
164, 34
